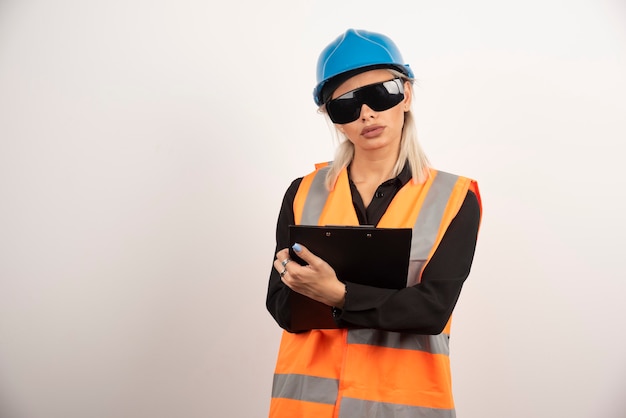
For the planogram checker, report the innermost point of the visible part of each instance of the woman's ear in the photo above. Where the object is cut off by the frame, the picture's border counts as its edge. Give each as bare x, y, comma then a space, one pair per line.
408, 95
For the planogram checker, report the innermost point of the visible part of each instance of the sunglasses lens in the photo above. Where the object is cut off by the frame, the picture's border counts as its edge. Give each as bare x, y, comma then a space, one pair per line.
385, 95
381, 96
344, 109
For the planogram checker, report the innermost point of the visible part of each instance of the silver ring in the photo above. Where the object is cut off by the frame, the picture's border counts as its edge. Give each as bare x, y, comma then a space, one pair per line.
285, 261
282, 273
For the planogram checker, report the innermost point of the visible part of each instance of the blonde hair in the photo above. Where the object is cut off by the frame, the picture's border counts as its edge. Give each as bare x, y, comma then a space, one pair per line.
410, 149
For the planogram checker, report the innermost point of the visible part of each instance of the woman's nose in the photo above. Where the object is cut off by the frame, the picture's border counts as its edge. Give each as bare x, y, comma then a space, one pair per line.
367, 112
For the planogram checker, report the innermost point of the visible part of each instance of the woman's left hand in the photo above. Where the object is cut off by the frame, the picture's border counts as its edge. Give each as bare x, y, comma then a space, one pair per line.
317, 280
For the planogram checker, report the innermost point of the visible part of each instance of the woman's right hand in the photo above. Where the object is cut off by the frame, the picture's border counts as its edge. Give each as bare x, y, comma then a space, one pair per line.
316, 280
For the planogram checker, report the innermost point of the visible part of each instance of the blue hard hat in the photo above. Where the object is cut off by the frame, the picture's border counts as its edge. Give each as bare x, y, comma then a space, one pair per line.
352, 52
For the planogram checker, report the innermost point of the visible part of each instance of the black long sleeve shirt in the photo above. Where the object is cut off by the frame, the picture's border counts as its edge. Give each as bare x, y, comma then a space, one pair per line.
424, 308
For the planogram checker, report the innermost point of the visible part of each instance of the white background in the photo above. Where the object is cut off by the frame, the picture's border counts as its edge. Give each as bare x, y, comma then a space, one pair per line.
145, 147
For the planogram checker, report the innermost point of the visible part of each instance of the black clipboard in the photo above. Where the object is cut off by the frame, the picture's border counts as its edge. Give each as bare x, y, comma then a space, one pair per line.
366, 255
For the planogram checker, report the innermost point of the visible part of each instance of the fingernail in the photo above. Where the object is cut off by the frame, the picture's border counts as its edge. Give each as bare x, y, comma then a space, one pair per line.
296, 247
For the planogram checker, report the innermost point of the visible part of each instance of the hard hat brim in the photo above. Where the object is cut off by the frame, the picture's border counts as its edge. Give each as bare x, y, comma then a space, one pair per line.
324, 90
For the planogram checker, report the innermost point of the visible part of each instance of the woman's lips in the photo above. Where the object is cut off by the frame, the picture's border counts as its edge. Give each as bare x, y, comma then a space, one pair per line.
372, 131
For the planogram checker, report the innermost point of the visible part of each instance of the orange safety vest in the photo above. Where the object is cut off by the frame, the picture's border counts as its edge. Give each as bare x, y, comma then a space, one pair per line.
349, 373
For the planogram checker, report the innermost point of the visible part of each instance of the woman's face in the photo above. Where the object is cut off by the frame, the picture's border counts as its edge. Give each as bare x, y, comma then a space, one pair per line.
374, 131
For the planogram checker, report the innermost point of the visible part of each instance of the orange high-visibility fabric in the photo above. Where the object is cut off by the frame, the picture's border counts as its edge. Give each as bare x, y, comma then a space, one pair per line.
281, 407
369, 372
302, 350
406, 377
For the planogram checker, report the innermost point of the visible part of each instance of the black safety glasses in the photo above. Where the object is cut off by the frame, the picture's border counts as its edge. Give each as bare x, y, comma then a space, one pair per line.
380, 96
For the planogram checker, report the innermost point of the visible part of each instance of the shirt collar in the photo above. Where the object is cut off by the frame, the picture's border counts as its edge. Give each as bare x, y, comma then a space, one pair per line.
400, 180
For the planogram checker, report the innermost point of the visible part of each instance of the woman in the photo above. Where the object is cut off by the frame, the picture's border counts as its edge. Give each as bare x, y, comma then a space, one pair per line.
388, 356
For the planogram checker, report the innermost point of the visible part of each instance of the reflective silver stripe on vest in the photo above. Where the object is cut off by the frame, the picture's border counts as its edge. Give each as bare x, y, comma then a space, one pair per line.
429, 218
351, 408
427, 223
434, 344
305, 388
316, 198
415, 269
